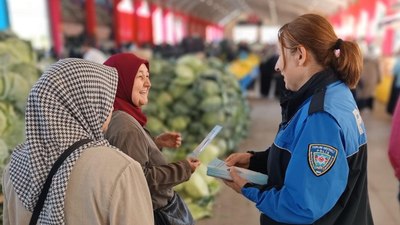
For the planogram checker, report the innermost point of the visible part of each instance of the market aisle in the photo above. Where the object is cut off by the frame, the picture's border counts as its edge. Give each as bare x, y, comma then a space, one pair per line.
230, 208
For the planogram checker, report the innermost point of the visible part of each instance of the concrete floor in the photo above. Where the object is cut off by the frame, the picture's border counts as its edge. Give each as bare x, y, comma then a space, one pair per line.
231, 208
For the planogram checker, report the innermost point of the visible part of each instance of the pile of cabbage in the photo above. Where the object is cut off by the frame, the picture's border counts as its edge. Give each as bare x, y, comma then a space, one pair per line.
18, 72
191, 95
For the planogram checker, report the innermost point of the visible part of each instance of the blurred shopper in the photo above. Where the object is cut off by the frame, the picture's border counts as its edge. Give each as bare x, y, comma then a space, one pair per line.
68, 109
395, 91
128, 132
228, 52
267, 69
91, 52
394, 143
192, 44
370, 77
317, 165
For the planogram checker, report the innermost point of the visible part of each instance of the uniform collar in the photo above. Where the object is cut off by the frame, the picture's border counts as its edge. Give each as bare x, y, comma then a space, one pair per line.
291, 101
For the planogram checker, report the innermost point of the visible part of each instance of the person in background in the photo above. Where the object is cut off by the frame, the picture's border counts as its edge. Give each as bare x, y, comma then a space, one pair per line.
128, 131
394, 143
91, 52
97, 184
317, 165
395, 90
267, 69
370, 77
228, 52
192, 44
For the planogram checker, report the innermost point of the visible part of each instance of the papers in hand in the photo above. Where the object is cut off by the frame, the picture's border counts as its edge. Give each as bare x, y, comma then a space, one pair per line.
210, 136
217, 168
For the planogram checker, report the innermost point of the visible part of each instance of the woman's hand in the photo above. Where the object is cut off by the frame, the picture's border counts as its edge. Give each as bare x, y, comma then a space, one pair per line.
239, 160
168, 140
237, 182
194, 163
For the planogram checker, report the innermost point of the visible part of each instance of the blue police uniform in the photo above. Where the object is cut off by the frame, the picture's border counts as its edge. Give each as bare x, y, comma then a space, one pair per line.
317, 163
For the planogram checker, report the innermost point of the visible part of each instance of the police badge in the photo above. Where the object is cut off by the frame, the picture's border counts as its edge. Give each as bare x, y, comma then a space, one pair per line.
321, 158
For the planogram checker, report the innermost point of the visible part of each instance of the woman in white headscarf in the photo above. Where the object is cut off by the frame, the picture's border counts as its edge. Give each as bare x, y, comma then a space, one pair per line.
97, 183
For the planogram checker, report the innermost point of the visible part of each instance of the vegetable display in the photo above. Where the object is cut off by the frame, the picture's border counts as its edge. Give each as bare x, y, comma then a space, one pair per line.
191, 95
18, 72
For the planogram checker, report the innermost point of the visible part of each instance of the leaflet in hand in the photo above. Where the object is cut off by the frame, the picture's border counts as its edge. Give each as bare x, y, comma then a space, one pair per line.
210, 136
218, 168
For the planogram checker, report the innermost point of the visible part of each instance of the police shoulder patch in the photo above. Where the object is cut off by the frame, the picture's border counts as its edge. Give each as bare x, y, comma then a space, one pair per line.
321, 158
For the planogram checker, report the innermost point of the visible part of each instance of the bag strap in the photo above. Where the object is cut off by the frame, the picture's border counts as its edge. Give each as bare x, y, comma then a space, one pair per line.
43, 194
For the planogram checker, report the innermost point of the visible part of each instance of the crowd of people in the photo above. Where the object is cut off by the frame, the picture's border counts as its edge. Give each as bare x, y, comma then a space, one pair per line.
89, 159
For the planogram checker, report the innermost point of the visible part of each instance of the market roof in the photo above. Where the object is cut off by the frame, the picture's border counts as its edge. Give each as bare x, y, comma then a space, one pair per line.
272, 12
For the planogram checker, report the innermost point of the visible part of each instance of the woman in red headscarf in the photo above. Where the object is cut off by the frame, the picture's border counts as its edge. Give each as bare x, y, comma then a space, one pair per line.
127, 131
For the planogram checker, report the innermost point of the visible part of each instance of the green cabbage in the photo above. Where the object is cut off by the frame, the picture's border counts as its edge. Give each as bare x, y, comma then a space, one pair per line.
191, 95
197, 187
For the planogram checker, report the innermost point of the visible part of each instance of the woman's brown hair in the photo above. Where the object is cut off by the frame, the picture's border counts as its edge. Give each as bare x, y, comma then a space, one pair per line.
316, 34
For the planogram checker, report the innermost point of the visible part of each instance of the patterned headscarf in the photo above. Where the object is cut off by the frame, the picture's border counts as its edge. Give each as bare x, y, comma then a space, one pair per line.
127, 65
71, 101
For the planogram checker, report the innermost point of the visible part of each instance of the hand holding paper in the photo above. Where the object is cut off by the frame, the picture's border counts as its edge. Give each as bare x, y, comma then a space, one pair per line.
194, 163
218, 168
238, 159
237, 182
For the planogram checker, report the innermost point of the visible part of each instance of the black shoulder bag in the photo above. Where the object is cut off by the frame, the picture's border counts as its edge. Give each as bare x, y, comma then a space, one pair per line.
175, 212
43, 194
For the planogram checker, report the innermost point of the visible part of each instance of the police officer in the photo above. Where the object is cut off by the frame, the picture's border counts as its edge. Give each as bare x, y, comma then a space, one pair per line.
317, 165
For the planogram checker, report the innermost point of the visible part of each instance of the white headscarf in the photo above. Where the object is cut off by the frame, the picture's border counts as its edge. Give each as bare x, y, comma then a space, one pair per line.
71, 101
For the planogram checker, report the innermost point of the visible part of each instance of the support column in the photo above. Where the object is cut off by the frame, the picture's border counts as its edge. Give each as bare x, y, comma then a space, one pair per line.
135, 25
117, 37
90, 7
4, 20
55, 26
153, 8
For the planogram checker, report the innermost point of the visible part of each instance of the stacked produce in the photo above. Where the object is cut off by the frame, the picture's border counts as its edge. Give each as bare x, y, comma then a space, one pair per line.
18, 73
192, 95
243, 67
246, 70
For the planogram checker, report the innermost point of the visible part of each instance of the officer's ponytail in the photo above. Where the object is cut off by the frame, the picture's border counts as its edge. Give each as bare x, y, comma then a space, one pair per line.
346, 59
